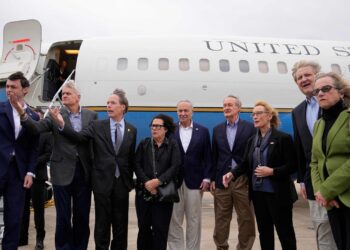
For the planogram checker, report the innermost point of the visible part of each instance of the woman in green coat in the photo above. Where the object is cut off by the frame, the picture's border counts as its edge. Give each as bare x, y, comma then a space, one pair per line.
330, 163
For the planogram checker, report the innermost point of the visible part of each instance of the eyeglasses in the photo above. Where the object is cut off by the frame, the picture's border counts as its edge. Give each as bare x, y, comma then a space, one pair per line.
156, 126
324, 89
258, 113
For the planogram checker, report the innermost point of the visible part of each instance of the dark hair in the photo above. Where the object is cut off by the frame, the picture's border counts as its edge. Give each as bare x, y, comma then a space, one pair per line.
168, 123
122, 98
19, 76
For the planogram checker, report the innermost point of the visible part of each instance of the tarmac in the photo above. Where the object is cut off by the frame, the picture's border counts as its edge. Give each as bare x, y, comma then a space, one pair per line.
302, 224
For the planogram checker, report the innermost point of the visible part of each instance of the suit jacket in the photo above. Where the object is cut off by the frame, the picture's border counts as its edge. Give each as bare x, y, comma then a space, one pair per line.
25, 146
303, 145
196, 161
44, 152
168, 161
336, 160
105, 158
64, 151
281, 157
222, 155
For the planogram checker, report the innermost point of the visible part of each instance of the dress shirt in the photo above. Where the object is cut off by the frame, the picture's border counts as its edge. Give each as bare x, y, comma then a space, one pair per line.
114, 127
185, 135
311, 113
231, 131
17, 119
75, 119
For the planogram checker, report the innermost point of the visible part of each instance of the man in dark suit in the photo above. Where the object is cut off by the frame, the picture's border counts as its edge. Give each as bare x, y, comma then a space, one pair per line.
37, 193
194, 178
18, 156
114, 142
304, 116
70, 168
228, 145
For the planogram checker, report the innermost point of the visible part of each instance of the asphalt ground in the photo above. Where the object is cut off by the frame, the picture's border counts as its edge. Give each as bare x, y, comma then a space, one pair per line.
302, 225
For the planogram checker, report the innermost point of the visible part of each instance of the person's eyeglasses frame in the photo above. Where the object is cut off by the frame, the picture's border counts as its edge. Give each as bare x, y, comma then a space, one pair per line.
259, 113
324, 89
156, 126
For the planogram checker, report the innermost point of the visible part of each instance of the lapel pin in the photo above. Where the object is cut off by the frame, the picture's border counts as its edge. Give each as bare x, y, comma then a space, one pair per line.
197, 129
128, 129
272, 142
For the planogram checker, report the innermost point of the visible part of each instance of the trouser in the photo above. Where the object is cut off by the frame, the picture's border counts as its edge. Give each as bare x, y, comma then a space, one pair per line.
72, 204
11, 188
190, 205
269, 214
236, 195
339, 219
153, 221
37, 195
319, 217
112, 209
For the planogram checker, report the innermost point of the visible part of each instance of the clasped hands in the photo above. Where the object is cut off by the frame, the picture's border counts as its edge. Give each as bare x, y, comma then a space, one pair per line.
323, 202
151, 186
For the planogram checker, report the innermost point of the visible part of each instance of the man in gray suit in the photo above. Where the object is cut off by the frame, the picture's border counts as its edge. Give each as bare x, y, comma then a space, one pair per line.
70, 170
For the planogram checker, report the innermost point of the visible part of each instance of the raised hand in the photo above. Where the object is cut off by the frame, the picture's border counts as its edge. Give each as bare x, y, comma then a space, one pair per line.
15, 102
57, 117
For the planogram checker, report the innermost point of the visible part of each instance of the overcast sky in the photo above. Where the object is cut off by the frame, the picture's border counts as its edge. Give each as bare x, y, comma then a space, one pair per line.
74, 19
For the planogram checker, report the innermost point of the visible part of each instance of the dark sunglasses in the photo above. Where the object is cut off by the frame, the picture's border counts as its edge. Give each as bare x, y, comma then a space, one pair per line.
324, 89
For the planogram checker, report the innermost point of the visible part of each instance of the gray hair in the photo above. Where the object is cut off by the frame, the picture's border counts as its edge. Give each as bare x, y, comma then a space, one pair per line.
186, 101
237, 100
340, 83
71, 84
122, 98
305, 63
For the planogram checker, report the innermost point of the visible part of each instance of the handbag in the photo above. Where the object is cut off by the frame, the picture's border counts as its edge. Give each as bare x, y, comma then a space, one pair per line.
168, 191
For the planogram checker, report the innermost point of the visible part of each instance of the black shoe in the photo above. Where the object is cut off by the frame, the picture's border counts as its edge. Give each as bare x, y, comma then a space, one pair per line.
39, 244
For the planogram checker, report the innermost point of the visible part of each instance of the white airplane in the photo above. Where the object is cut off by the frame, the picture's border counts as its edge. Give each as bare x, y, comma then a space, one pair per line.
157, 72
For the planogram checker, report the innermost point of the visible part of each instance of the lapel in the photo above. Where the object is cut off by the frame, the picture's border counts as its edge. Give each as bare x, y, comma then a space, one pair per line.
272, 144
224, 135
195, 134
178, 139
9, 114
65, 116
340, 122
106, 126
84, 119
302, 119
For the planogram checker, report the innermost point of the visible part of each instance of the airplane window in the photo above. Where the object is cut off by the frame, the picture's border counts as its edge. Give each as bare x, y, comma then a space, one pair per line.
282, 68
244, 66
142, 63
336, 68
204, 65
263, 67
163, 63
122, 63
184, 64
224, 65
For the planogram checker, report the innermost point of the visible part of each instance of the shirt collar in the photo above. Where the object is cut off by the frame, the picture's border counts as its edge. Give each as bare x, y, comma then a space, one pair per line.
113, 122
311, 100
71, 113
234, 124
191, 125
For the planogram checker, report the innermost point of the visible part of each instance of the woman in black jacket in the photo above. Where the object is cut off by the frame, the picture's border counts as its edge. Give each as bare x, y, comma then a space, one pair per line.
269, 160
157, 162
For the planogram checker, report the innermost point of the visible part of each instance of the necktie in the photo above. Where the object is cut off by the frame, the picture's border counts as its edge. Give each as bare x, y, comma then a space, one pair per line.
118, 142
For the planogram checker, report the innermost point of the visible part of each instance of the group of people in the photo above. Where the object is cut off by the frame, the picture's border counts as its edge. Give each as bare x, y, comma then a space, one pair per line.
246, 166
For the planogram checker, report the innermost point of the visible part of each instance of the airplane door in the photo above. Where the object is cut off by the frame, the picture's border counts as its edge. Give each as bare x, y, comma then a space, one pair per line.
21, 48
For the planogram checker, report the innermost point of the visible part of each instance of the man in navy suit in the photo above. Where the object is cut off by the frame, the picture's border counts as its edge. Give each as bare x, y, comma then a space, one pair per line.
229, 142
304, 116
194, 179
18, 156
